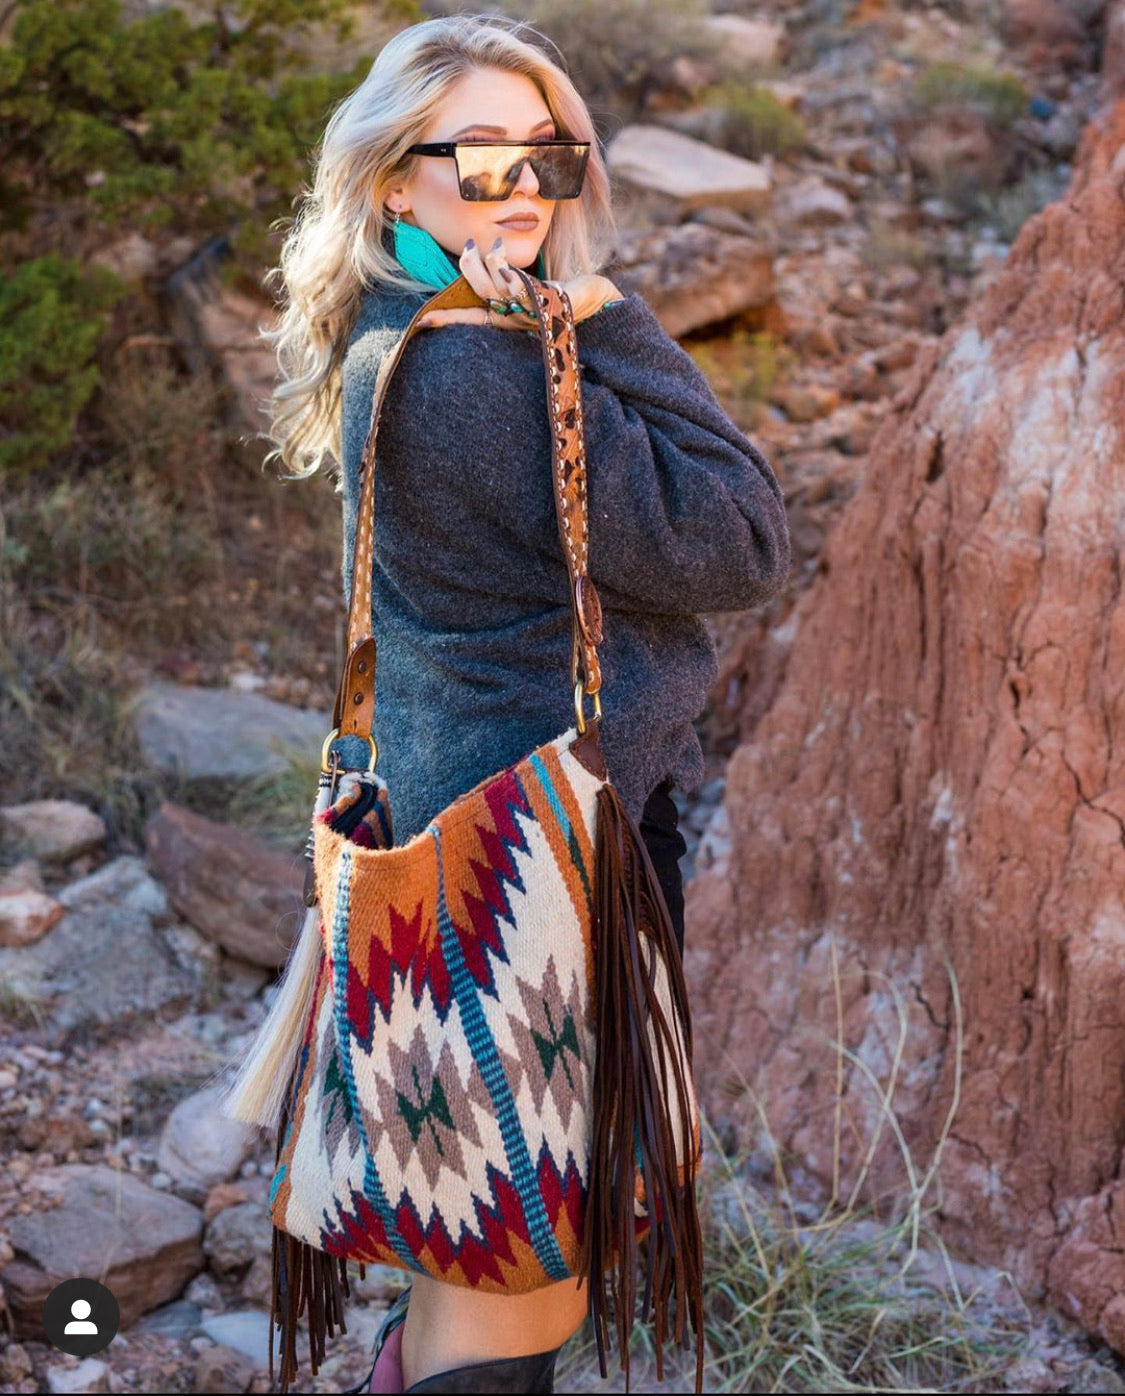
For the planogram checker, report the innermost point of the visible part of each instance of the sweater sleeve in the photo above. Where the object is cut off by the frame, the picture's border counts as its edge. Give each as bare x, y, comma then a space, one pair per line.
685, 513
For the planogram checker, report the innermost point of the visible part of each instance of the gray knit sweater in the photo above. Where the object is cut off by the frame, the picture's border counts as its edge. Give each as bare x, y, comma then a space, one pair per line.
470, 592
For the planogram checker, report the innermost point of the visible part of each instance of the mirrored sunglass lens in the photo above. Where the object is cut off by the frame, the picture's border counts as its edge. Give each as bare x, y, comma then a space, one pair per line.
491, 172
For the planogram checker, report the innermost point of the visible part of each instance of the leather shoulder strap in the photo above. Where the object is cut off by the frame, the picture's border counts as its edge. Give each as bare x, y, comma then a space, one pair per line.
355, 695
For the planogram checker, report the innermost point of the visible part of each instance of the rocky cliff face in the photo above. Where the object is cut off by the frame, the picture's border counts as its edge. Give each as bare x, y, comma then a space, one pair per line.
940, 777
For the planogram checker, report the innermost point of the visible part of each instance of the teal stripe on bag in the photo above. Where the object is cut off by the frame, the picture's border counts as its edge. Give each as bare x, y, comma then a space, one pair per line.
485, 1055
372, 1183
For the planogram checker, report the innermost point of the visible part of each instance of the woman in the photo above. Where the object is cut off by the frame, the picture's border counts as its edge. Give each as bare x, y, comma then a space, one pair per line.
470, 583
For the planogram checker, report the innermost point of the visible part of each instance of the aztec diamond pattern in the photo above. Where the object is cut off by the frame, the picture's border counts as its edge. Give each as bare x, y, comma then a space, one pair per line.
432, 1127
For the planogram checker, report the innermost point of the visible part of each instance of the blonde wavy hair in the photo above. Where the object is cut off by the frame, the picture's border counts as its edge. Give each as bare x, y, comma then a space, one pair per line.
334, 250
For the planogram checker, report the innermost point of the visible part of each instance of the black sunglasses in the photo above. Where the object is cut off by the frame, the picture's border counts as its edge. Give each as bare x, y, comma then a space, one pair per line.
488, 170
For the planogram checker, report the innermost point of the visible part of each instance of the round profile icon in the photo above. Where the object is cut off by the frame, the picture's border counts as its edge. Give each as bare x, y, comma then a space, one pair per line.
80, 1317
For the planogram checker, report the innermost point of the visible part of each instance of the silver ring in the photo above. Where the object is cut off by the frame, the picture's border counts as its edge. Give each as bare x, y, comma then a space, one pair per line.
488, 316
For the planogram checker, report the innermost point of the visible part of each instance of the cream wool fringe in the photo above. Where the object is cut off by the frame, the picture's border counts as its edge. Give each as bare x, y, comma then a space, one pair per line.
258, 1088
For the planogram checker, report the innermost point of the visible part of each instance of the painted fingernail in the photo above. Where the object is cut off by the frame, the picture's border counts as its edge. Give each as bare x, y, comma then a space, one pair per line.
497, 243
469, 244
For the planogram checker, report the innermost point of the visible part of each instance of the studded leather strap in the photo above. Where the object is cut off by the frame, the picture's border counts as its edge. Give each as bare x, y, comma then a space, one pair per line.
355, 696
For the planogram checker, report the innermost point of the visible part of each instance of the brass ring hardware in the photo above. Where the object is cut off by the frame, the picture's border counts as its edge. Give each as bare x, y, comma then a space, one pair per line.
369, 739
578, 690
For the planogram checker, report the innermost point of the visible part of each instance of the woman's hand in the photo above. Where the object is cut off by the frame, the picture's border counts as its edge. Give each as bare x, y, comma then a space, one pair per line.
492, 278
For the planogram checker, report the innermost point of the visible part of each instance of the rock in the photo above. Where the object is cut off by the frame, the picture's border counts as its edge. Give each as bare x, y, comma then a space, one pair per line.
24, 876
89, 1375
232, 886
143, 1245
938, 773
222, 1196
1030, 1374
219, 733
176, 1320
124, 883
104, 960
222, 1369
133, 257
748, 44
228, 325
805, 402
241, 981
199, 1146
204, 1292
236, 1236
196, 954
681, 174
811, 203
693, 275
54, 830
258, 1282
689, 77
15, 1364
790, 94
380, 1285
1112, 77
956, 140
25, 916
245, 1331
1091, 1376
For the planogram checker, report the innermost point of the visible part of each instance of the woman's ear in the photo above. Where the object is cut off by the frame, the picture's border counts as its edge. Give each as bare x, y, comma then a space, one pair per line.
392, 200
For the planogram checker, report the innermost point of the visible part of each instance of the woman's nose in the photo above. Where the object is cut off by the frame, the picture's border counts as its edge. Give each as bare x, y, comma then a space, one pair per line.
527, 182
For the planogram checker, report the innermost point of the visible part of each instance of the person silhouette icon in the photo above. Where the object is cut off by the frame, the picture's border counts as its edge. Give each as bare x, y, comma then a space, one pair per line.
81, 1316
80, 1323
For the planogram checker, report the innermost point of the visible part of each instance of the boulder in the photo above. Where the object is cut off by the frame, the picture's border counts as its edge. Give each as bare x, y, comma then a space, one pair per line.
237, 1236
813, 203
696, 274
142, 1244
220, 733
106, 959
200, 1146
27, 915
56, 831
233, 887
246, 1331
677, 174
749, 45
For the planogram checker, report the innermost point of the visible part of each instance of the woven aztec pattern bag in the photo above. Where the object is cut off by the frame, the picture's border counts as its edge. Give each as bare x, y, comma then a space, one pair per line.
488, 1071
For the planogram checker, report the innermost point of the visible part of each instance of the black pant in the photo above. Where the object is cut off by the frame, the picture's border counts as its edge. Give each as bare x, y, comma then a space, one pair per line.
660, 830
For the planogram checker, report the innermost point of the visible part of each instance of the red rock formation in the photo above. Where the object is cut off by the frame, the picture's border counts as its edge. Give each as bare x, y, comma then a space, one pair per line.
942, 773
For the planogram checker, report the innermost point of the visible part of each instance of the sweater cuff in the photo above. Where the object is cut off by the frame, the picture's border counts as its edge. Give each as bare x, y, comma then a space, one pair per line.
628, 324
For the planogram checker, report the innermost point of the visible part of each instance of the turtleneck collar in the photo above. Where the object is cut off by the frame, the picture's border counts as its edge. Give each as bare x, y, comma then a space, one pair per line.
420, 253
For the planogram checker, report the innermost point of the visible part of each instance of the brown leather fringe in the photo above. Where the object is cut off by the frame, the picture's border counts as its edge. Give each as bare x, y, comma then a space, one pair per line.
302, 1276
629, 904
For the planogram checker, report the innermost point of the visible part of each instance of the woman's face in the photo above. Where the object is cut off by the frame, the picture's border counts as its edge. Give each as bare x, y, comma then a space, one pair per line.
511, 108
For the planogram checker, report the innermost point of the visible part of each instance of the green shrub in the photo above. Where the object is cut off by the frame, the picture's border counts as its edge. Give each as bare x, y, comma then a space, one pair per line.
156, 121
52, 314
113, 124
1000, 96
754, 122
